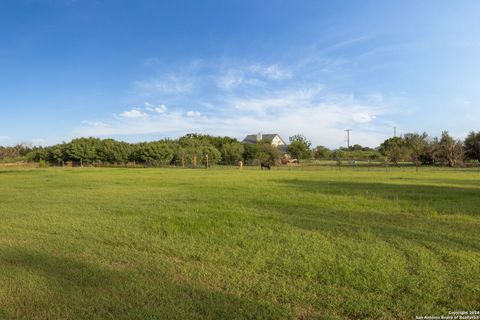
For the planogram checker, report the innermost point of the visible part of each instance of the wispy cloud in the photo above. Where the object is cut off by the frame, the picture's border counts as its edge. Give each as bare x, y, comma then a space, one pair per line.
286, 112
240, 98
276, 101
133, 114
273, 71
346, 43
169, 85
94, 124
193, 114
230, 79
259, 75
161, 108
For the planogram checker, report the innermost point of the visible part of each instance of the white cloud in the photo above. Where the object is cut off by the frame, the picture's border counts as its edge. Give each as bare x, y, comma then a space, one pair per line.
287, 99
133, 114
363, 117
323, 124
161, 108
273, 71
170, 85
245, 98
251, 75
193, 114
97, 124
307, 111
230, 80
346, 43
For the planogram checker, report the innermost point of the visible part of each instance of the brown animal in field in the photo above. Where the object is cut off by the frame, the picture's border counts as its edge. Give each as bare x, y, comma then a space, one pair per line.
265, 166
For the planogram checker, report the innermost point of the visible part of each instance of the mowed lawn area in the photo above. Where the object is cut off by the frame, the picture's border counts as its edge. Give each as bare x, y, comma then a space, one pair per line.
223, 244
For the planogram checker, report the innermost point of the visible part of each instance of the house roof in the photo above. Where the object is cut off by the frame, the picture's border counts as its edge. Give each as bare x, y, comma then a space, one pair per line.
252, 138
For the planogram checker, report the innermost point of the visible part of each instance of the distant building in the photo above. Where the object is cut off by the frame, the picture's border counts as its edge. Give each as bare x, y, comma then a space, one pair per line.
274, 139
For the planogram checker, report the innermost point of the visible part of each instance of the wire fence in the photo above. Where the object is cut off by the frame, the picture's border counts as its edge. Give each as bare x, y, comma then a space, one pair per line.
366, 166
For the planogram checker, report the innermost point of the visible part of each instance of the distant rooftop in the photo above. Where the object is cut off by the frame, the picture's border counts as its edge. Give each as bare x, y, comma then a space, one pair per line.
254, 138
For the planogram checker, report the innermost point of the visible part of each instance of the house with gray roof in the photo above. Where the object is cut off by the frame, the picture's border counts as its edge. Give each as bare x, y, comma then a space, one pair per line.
274, 139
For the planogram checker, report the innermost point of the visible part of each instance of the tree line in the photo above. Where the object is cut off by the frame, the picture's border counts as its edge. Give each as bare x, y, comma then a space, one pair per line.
199, 150
188, 150
419, 149
422, 149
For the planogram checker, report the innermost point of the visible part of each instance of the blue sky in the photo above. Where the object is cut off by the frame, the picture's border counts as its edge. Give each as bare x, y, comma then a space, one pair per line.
144, 70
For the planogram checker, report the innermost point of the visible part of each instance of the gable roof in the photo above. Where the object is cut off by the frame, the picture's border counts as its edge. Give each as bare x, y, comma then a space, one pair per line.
252, 138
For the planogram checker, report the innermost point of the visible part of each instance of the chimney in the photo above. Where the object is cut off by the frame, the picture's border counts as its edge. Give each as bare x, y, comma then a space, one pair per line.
259, 136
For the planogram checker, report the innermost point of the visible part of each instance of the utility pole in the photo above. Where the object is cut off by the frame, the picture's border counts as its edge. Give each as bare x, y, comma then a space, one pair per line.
348, 143
394, 132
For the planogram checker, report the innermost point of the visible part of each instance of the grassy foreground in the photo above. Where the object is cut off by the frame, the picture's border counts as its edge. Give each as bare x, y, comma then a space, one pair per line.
224, 244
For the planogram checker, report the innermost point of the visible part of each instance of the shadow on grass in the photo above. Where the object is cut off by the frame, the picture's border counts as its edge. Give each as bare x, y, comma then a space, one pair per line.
83, 290
418, 228
443, 199
15, 171
61, 270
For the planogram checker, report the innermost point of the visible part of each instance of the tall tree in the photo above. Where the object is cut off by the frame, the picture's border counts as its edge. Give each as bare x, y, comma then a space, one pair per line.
447, 150
417, 146
268, 153
250, 152
322, 152
84, 150
299, 147
472, 145
231, 152
394, 149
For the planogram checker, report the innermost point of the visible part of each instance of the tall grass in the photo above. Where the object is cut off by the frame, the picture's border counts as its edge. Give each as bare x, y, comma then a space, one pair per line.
224, 244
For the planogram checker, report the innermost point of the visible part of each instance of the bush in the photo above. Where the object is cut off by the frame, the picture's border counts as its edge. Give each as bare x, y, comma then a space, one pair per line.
42, 163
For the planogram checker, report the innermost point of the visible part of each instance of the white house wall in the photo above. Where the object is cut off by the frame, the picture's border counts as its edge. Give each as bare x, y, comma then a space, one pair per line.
277, 141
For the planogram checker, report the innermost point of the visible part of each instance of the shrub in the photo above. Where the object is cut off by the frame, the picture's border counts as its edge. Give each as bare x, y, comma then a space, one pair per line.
42, 163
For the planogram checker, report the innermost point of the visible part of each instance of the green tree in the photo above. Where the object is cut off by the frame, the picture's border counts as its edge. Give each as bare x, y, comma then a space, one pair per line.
232, 152
417, 147
322, 152
154, 153
83, 150
36, 154
472, 145
394, 149
114, 152
447, 150
250, 152
57, 154
268, 153
197, 147
299, 147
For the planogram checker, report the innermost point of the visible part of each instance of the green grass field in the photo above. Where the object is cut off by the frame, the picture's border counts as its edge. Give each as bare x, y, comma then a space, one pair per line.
224, 244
